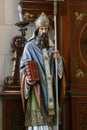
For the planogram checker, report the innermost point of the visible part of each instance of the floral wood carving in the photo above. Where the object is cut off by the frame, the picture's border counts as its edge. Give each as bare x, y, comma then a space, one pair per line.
78, 17
79, 71
82, 116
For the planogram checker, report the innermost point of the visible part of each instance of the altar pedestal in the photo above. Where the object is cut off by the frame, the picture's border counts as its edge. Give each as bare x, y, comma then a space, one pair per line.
12, 112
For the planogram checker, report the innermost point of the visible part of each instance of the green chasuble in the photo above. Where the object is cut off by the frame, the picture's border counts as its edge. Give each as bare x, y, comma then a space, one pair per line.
33, 116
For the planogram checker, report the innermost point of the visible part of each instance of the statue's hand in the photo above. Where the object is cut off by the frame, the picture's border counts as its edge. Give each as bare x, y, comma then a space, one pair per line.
57, 55
30, 82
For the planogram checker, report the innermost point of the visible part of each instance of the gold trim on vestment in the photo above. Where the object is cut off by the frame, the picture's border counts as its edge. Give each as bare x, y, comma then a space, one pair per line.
49, 82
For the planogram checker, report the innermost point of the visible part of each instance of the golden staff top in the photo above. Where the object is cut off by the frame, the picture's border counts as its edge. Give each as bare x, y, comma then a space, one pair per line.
55, 5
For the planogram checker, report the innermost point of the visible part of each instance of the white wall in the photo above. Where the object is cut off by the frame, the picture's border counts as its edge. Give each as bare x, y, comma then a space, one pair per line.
8, 17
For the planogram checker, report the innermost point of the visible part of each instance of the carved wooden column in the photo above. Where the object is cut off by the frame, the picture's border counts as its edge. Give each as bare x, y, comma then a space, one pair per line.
73, 39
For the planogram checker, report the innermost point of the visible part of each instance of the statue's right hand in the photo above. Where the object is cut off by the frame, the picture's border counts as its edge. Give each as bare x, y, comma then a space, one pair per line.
30, 82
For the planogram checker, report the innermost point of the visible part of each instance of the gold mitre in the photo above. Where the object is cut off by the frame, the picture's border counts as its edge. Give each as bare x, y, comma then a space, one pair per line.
42, 20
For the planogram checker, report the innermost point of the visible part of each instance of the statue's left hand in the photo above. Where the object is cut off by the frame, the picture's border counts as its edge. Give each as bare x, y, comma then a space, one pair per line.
57, 55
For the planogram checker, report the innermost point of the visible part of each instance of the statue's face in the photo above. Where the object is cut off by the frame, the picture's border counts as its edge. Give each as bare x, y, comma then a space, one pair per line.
43, 30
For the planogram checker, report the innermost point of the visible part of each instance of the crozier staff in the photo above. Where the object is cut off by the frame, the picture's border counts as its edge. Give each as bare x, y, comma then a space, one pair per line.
40, 49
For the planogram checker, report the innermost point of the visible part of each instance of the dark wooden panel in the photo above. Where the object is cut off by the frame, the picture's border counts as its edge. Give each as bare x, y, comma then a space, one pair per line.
73, 19
79, 112
66, 114
36, 7
73, 39
12, 112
